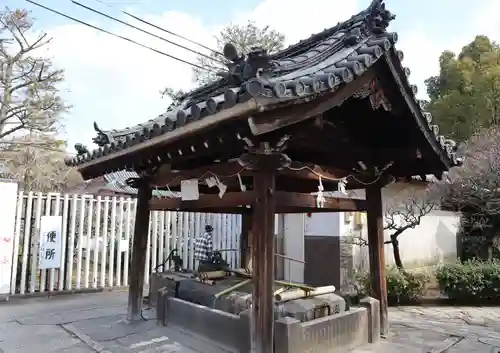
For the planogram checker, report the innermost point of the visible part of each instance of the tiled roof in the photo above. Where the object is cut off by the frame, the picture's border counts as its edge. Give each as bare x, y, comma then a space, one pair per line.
322, 63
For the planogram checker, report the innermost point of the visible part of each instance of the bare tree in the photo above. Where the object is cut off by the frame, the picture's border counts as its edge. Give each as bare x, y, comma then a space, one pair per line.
474, 191
29, 98
474, 188
399, 217
244, 38
37, 168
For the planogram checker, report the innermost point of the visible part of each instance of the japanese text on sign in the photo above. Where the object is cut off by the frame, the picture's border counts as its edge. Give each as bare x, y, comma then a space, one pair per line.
50, 242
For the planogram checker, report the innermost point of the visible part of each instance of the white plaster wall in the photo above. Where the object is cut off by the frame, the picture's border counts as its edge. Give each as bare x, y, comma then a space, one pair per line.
322, 224
298, 226
433, 241
294, 247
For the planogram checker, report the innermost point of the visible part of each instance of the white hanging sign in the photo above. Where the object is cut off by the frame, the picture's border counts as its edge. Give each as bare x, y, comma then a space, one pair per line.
8, 190
50, 242
189, 190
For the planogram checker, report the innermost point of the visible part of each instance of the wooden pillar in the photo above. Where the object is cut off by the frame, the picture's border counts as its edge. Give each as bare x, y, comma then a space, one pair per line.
246, 240
139, 249
262, 325
376, 251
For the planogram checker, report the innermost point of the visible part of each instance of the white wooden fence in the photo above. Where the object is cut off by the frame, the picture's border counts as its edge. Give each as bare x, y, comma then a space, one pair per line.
97, 236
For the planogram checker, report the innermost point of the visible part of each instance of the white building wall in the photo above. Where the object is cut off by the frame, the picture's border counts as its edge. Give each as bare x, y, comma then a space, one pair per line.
294, 247
432, 242
298, 226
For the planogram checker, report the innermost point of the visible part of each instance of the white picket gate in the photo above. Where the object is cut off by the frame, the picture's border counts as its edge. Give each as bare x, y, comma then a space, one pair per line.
97, 236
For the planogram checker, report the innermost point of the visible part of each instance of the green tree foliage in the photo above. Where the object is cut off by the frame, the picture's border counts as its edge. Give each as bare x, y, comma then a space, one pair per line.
244, 37
465, 96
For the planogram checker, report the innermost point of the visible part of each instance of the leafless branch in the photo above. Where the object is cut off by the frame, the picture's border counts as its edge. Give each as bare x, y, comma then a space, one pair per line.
28, 84
11, 131
475, 187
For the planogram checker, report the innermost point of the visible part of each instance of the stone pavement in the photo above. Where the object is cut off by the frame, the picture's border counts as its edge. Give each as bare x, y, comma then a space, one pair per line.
90, 323
436, 329
87, 323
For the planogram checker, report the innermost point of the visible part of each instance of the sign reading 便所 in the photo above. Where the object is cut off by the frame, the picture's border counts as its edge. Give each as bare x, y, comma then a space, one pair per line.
50, 242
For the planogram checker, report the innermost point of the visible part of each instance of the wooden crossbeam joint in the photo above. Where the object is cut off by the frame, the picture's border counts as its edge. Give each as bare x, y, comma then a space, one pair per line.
266, 157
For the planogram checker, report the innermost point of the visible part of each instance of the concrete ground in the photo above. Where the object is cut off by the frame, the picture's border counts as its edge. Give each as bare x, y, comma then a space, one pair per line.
89, 323
441, 330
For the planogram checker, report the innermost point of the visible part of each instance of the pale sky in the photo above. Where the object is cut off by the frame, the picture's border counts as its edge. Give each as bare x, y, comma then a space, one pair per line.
117, 83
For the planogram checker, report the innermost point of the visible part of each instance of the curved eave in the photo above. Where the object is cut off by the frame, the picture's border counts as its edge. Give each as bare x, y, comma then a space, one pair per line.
297, 61
182, 111
339, 67
307, 44
301, 85
119, 156
444, 149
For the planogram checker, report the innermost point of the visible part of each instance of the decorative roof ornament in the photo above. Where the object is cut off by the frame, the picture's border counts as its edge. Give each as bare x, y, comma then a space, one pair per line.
243, 68
373, 21
103, 138
376, 95
379, 17
81, 149
133, 182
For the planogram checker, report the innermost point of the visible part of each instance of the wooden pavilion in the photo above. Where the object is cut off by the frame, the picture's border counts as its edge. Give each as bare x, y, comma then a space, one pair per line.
334, 108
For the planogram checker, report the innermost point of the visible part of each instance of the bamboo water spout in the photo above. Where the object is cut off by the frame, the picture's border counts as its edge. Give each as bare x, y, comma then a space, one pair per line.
300, 293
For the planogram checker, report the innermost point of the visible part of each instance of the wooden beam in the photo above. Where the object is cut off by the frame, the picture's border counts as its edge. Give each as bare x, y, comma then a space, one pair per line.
289, 209
165, 176
284, 183
375, 224
344, 153
293, 199
288, 202
298, 170
214, 210
263, 257
139, 249
310, 171
205, 202
277, 119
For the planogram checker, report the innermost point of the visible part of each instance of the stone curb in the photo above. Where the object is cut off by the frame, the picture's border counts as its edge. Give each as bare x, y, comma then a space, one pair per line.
50, 295
96, 346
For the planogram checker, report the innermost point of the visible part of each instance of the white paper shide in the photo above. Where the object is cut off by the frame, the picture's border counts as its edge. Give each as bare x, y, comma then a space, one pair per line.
189, 190
50, 242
